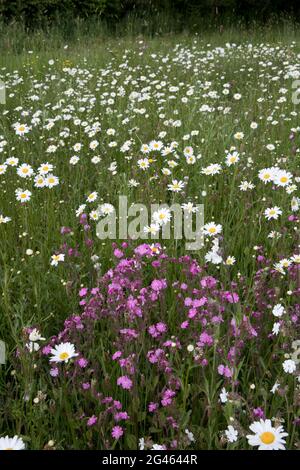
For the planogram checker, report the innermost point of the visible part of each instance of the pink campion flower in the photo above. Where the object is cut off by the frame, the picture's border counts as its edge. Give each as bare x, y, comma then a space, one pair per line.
231, 297
117, 404
224, 370
122, 415
118, 253
82, 362
192, 313
117, 432
152, 407
199, 302
54, 372
258, 413
47, 349
158, 284
209, 282
116, 355
83, 292
205, 338
92, 420
143, 250
86, 386
125, 382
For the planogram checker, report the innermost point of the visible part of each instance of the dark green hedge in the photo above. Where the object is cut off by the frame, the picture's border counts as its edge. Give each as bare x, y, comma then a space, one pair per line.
32, 12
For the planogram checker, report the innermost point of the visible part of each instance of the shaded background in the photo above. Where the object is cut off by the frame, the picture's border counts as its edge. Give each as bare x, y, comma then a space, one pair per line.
183, 13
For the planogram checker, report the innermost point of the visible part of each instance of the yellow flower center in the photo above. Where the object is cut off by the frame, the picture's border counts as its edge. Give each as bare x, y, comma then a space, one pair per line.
21, 128
212, 230
267, 437
283, 179
23, 196
266, 176
63, 356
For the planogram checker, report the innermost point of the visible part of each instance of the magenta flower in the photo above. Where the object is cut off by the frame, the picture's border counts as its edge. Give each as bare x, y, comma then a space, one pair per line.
92, 420
117, 432
125, 382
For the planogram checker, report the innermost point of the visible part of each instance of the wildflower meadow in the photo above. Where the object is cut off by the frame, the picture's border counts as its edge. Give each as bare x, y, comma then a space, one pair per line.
117, 332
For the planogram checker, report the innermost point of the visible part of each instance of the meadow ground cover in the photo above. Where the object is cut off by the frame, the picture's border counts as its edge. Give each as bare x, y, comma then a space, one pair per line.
140, 344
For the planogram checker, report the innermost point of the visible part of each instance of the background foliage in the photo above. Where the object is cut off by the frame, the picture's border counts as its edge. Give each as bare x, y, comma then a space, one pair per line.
42, 12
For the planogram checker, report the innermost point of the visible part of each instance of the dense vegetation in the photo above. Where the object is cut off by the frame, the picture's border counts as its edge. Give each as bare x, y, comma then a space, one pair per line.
42, 12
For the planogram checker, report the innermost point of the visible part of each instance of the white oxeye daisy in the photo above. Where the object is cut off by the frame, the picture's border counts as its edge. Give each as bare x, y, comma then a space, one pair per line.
282, 178
106, 209
266, 437
21, 129
162, 216
145, 148
239, 135
51, 181
92, 197
12, 161
45, 168
191, 159
4, 220
55, 259
39, 181
24, 171
176, 186
152, 228
295, 259
212, 229
63, 352
23, 196
273, 213
11, 443
232, 158
295, 204
143, 163
266, 175
3, 169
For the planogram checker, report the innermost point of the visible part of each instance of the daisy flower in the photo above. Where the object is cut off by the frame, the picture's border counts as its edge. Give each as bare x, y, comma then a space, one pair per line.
21, 129
63, 352
273, 213
24, 171
283, 178
232, 158
143, 163
212, 229
92, 197
266, 437
176, 186
45, 168
162, 216
23, 195
11, 443
55, 259
51, 181
4, 220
